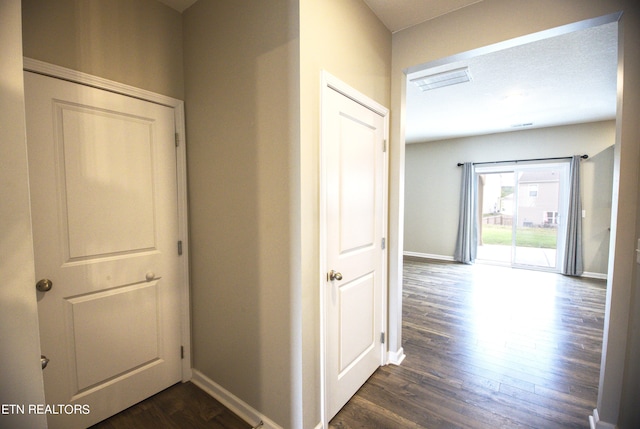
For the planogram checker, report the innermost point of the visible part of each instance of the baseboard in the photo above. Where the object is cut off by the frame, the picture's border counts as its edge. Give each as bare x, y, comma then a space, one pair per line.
599, 276
428, 256
396, 358
243, 410
596, 423
586, 274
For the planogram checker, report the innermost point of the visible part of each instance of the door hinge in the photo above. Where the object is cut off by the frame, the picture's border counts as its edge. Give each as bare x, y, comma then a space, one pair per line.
382, 337
181, 352
179, 247
384, 145
383, 244
177, 139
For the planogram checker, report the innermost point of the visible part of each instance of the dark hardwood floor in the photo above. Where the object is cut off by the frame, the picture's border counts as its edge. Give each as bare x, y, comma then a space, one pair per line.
488, 347
182, 406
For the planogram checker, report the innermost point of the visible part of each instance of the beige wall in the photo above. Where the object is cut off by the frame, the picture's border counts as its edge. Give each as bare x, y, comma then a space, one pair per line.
138, 43
241, 62
20, 374
494, 21
431, 209
347, 40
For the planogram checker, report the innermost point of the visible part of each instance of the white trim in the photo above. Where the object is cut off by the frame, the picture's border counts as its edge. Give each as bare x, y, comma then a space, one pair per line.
70, 75
599, 276
586, 274
64, 73
328, 81
596, 423
428, 256
396, 358
183, 231
323, 263
243, 410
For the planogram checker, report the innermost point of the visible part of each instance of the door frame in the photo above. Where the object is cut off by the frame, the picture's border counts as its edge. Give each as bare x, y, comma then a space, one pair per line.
331, 83
81, 78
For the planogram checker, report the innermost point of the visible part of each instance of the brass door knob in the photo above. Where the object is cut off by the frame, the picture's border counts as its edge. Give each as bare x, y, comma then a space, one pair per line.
44, 361
334, 275
44, 285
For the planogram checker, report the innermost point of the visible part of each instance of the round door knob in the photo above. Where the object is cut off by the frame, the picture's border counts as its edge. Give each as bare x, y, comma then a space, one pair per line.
44, 361
150, 276
44, 285
334, 275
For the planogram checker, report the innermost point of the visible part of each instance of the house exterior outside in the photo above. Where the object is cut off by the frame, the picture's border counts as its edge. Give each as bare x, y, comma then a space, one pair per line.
537, 198
538, 193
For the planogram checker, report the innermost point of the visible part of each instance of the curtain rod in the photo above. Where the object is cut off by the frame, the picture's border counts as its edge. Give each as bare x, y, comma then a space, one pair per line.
460, 164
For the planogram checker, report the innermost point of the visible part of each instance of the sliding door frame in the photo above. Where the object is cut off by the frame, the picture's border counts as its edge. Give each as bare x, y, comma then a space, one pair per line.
563, 196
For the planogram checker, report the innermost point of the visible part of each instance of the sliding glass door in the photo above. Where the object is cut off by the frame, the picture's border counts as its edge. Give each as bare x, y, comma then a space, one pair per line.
522, 214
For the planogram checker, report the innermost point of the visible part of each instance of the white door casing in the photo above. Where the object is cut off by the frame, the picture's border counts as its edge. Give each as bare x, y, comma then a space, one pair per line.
353, 230
104, 192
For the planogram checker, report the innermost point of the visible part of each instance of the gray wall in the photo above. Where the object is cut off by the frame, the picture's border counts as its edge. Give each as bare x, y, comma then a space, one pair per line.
432, 183
241, 97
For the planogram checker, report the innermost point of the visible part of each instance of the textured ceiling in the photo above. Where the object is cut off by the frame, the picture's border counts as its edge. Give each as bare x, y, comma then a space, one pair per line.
562, 80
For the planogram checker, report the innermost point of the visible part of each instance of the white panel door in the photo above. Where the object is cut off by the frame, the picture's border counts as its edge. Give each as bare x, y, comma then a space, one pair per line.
102, 170
354, 170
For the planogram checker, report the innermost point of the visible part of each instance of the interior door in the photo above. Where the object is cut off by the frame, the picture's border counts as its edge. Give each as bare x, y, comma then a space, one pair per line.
354, 170
102, 172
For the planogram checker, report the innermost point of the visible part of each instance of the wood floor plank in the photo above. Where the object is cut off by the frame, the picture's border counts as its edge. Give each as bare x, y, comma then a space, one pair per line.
377, 417
485, 349
455, 405
488, 347
182, 406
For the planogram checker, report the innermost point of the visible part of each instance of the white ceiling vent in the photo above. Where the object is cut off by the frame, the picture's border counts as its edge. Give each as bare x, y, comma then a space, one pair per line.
439, 80
523, 125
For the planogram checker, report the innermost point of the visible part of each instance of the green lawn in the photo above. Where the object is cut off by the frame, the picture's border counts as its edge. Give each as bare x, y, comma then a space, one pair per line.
544, 238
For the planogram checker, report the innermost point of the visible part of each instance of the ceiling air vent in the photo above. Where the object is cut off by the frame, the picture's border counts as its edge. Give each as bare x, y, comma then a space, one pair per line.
439, 80
525, 124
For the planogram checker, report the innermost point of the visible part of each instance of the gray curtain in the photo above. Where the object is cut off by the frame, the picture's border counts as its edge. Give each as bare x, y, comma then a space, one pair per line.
467, 242
573, 248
